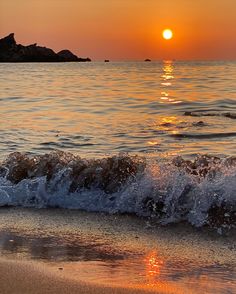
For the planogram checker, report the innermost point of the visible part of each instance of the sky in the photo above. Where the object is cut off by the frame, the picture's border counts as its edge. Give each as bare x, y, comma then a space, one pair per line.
125, 29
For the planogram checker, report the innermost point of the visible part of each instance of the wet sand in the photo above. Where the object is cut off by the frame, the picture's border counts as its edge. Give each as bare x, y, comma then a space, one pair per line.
21, 277
60, 251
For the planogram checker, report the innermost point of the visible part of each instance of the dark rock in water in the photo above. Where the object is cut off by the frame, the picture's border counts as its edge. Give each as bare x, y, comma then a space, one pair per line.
7, 48
106, 60
87, 59
12, 52
210, 113
35, 53
147, 60
199, 124
188, 113
7, 42
230, 115
67, 55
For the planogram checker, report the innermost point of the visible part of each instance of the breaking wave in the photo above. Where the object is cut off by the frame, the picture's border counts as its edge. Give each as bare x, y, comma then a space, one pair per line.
201, 192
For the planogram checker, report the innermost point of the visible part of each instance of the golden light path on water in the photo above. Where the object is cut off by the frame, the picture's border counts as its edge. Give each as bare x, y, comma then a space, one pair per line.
138, 107
167, 96
167, 80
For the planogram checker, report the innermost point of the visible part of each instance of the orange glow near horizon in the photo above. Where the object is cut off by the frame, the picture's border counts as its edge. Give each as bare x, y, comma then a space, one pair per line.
125, 30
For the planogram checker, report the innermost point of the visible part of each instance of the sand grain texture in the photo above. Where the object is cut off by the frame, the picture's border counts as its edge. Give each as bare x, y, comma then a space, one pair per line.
18, 277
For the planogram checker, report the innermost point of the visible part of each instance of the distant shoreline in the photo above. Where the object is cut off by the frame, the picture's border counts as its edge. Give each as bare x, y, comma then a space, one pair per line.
10, 51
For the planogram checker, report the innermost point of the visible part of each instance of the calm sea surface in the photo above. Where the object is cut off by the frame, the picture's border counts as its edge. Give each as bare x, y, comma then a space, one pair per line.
95, 109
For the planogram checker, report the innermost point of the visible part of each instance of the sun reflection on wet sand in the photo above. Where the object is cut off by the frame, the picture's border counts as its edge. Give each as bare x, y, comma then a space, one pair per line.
153, 279
153, 265
94, 260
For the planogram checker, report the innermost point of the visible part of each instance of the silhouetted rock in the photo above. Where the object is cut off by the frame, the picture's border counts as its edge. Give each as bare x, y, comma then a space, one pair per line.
106, 60
87, 59
67, 55
12, 52
7, 47
147, 60
8, 41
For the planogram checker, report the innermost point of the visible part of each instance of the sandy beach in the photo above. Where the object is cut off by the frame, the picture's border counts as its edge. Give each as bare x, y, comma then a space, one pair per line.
117, 147
21, 277
62, 251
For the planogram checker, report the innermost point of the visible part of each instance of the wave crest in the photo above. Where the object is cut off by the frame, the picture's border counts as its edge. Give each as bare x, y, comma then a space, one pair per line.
201, 191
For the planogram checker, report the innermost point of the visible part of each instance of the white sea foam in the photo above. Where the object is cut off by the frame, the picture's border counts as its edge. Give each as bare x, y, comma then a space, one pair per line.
161, 189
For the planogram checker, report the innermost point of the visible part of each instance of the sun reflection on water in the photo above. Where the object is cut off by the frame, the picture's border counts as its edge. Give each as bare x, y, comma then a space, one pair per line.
167, 79
168, 73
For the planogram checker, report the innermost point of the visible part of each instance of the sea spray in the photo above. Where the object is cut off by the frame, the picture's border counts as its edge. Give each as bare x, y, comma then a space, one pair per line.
201, 192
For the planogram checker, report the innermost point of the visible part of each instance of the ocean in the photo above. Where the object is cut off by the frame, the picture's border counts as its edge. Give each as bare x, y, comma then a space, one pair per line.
149, 143
100, 109
150, 138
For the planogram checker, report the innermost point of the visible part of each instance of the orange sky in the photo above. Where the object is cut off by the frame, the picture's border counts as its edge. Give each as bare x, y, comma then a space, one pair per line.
125, 29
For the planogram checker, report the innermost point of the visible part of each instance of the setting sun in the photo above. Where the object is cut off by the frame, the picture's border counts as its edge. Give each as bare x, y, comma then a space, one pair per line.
167, 34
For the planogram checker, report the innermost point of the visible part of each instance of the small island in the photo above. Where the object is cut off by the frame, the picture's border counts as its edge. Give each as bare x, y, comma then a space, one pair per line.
147, 60
10, 51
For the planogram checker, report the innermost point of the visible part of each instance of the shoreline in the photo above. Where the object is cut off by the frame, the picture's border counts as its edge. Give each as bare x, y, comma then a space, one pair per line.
65, 249
18, 277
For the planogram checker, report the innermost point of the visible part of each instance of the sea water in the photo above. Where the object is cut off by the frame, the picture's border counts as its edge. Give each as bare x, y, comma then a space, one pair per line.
151, 138
154, 139
98, 109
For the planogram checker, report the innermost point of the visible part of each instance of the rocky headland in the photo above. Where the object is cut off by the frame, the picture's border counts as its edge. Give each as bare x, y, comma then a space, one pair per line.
10, 51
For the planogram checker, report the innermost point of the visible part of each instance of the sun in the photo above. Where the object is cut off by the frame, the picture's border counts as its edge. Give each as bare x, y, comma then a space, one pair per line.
167, 34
